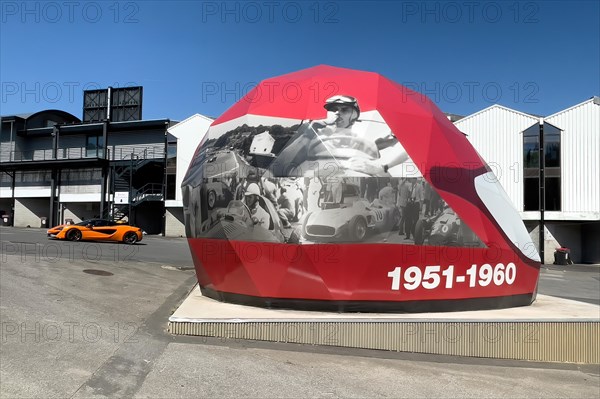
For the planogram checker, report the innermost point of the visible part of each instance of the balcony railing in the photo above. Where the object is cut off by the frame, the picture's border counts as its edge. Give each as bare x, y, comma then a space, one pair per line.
150, 191
48, 154
74, 153
136, 153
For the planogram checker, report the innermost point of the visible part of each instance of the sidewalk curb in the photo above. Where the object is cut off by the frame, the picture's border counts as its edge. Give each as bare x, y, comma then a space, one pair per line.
578, 267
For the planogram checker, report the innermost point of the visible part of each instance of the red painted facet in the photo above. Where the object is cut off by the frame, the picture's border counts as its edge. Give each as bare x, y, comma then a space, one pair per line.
347, 272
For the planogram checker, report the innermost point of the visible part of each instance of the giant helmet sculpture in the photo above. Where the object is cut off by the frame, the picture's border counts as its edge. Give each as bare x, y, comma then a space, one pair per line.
336, 189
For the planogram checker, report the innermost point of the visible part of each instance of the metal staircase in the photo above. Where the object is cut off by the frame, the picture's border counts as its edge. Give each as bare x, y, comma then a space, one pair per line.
123, 174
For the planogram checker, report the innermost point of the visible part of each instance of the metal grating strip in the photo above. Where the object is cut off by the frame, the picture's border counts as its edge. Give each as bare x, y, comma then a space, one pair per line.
570, 342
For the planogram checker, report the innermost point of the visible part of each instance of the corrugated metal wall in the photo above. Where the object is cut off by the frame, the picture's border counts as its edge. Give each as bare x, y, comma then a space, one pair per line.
580, 153
6, 147
496, 134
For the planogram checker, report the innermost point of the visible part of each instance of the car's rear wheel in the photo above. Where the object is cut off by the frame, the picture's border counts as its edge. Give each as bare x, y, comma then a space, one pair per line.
74, 235
420, 232
130, 238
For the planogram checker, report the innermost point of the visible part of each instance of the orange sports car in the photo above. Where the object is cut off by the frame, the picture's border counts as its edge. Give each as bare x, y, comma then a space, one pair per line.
97, 230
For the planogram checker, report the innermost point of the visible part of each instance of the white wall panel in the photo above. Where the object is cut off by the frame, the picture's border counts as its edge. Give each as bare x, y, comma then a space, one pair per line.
80, 211
174, 222
81, 197
189, 133
81, 189
495, 133
29, 211
580, 153
32, 192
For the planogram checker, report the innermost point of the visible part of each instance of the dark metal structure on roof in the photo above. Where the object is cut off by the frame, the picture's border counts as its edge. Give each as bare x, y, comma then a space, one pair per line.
113, 104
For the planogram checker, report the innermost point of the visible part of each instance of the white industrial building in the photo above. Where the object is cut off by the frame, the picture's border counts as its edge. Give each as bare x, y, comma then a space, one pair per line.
56, 168
509, 141
184, 137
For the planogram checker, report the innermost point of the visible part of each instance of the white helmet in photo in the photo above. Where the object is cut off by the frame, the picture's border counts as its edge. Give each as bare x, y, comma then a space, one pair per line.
342, 100
252, 189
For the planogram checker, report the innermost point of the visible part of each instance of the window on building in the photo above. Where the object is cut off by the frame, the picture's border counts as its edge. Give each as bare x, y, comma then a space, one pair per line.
171, 170
552, 167
94, 146
83, 176
531, 168
33, 177
531, 172
5, 179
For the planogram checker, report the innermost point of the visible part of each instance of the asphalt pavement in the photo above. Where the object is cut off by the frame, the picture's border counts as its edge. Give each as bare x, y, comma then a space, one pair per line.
89, 320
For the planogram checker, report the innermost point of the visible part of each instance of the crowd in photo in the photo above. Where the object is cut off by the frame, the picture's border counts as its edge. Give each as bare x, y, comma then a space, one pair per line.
293, 197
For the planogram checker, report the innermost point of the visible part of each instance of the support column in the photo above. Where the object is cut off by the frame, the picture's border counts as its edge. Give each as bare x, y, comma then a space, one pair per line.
542, 164
103, 155
164, 185
52, 212
55, 138
12, 190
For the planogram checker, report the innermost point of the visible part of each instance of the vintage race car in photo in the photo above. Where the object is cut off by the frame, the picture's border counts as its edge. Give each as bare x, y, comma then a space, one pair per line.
97, 230
444, 229
218, 194
236, 223
349, 222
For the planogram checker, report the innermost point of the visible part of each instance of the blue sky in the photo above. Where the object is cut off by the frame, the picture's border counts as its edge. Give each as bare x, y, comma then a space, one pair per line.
200, 57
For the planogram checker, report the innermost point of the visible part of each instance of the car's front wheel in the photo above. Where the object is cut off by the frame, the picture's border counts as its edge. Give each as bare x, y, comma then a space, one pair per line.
74, 235
304, 233
358, 228
130, 238
212, 199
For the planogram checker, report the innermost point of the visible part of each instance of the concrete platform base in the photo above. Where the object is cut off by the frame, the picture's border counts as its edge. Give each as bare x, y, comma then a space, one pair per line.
550, 330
